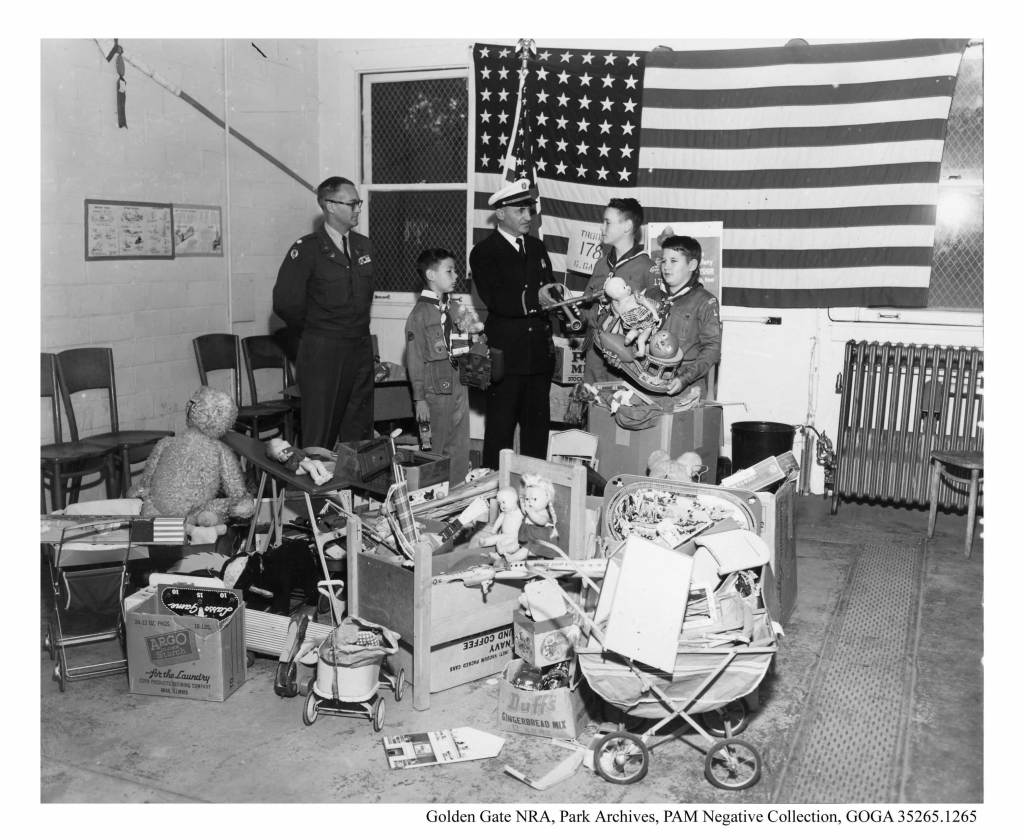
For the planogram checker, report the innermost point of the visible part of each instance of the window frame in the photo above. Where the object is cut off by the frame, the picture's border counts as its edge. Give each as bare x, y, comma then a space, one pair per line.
367, 183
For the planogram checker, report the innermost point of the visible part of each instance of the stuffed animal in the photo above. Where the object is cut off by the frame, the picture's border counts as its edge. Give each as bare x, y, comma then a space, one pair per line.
687, 467
195, 475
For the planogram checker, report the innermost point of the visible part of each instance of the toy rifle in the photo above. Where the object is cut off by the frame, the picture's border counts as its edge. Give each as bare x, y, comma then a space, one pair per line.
567, 307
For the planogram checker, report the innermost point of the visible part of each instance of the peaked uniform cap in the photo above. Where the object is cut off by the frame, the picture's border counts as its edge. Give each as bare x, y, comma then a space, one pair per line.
517, 192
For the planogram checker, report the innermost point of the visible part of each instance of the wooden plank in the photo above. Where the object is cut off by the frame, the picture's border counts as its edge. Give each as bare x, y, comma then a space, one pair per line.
352, 543
570, 481
421, 640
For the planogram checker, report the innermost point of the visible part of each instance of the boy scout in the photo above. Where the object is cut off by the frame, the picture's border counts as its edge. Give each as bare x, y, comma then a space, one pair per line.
438, 396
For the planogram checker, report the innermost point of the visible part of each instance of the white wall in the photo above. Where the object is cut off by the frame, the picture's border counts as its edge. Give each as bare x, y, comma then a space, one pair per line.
149, 311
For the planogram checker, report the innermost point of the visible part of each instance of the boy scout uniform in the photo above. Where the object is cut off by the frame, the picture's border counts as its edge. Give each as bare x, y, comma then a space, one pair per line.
326, 297
691, 315
435, 378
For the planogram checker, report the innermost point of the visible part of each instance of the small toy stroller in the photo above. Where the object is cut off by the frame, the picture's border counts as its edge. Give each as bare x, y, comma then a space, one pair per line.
709, 683
349, 671
88, 581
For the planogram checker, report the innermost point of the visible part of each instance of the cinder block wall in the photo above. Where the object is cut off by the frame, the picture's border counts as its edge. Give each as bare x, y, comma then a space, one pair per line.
148, 311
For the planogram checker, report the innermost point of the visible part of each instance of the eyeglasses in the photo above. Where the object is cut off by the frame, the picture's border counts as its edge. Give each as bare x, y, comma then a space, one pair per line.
355, 205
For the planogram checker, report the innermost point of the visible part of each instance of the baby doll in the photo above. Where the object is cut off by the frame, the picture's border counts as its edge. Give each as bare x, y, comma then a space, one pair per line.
503, 533
295, 459
540, 522
638, 315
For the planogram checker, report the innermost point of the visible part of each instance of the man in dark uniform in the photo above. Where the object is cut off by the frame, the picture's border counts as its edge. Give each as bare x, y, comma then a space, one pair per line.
323, 293
508, 268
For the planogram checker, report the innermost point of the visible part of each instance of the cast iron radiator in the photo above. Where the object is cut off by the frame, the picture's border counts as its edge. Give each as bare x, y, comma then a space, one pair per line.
900, 402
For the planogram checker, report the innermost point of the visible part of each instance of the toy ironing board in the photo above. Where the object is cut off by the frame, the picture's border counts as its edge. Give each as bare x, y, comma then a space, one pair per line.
282, 478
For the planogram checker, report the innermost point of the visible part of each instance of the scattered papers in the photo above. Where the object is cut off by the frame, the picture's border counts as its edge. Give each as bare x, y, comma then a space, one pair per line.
559, 773
444, 746
736, 550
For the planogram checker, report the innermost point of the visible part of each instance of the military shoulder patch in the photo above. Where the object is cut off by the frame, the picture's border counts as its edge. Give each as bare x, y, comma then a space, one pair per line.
294, 253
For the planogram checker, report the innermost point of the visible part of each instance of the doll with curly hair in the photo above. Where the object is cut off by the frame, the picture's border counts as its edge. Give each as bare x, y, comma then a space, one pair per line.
195, 475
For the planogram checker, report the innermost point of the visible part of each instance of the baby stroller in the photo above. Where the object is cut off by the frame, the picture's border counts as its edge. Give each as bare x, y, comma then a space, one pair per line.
706, 682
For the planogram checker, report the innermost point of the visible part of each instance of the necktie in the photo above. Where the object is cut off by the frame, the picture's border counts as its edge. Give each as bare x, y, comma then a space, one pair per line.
521, 247
344, 248
443, 305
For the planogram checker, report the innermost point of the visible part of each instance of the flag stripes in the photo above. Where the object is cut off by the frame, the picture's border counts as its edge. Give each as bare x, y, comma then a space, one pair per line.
822, 162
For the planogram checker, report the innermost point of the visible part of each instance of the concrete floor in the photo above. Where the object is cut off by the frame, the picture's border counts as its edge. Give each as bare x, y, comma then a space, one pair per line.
101, 744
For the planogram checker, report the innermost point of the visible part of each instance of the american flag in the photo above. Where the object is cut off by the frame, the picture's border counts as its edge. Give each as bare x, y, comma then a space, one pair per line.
822, 162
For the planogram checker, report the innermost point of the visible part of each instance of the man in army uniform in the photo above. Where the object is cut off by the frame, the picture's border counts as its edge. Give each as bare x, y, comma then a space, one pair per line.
323, 294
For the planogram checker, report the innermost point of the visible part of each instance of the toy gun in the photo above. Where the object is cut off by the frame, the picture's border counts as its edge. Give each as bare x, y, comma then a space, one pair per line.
567, 308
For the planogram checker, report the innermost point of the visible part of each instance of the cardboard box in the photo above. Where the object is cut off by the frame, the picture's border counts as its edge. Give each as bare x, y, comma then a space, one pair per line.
559, 713
422, 469
542, 642
463, 660
625, 451
569, 362
780, 586
191, 656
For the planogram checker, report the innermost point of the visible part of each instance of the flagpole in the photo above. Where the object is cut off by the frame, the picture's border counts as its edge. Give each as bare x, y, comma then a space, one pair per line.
524, 48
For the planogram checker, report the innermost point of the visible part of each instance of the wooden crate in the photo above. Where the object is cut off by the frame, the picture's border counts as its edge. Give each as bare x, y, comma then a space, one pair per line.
450, 633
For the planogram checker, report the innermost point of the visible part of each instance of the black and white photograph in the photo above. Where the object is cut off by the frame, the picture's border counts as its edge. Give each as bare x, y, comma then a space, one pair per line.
532, 430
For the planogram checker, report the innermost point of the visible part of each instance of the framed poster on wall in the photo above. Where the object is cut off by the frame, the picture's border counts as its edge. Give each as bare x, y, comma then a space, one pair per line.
128, 230
197, 231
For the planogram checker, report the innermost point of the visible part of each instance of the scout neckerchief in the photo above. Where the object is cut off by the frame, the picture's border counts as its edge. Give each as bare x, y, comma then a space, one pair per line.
443, 304
666, 303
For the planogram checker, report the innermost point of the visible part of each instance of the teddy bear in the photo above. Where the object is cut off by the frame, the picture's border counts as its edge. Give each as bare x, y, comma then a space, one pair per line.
195, 475
687, 467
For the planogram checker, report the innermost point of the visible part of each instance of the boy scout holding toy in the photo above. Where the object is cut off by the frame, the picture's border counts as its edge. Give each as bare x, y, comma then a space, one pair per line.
440, 399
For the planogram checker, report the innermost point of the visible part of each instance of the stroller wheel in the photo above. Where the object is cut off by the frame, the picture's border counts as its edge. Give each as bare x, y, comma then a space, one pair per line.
400, 685
621, 758
735, 714
58, 675
732, 764
309, 708
48, 644
378, 714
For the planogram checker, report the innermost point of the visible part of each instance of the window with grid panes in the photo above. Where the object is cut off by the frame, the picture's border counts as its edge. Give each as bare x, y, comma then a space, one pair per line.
415, 171
958, 259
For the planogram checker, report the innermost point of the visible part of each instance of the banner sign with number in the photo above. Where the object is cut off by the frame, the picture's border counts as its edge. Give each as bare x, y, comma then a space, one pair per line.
584, 249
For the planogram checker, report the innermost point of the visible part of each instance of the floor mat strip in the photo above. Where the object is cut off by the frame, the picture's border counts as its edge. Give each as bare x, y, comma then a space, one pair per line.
851, 739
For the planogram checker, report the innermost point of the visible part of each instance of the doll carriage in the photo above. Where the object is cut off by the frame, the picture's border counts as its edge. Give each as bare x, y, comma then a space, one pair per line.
706, 685
719, 661
350, 668
87, 567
